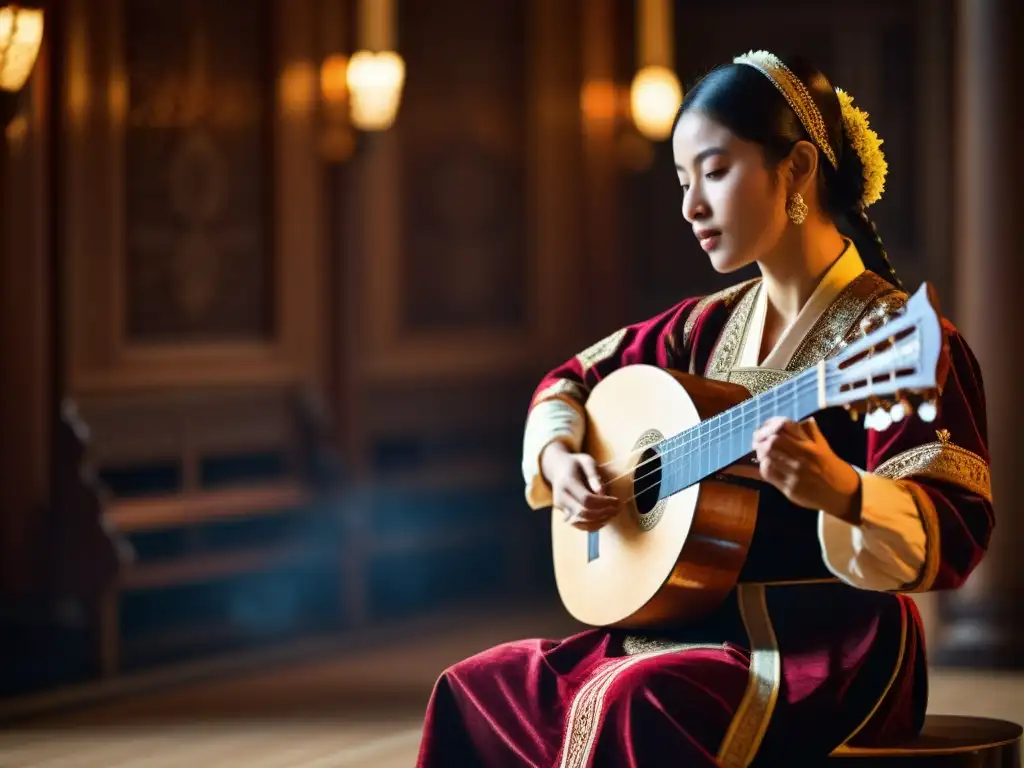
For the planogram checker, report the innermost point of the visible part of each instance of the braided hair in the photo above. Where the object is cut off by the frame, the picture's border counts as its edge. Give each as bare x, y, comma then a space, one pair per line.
748, 104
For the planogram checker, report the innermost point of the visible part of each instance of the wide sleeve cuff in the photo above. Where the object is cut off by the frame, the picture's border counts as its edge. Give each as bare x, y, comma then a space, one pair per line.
548, 421
886, 550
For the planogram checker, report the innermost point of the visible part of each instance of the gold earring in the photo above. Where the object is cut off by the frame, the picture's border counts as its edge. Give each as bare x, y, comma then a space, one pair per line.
796, 208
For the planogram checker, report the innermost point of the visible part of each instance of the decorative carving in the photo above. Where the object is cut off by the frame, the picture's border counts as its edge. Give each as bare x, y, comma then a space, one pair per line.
642, 481
197, 148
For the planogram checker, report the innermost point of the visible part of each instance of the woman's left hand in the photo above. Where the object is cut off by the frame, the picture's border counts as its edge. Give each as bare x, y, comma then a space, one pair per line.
796, 459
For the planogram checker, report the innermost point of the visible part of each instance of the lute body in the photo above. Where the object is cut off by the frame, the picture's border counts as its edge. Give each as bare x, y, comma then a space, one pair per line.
664, 558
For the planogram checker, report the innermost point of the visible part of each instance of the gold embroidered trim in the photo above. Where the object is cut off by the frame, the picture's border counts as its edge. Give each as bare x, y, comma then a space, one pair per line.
634, 645
747, 729
581, 726
601, 350
568, 390
892, 678
941, 460
727, 296
727, 348
758, 380
932, 538
839, 320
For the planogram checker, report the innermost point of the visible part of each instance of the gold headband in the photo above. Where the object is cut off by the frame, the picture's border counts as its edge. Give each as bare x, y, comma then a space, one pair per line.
795, 93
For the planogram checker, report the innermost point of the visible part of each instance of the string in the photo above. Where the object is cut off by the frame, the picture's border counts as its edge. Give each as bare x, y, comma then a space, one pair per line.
801, 385
744, 404
699, 445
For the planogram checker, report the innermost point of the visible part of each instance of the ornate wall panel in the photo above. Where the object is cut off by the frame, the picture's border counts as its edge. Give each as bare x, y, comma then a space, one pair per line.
193, 194
197, 171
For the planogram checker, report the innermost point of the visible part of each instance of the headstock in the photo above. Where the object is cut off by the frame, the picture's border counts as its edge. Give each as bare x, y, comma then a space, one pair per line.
892, 368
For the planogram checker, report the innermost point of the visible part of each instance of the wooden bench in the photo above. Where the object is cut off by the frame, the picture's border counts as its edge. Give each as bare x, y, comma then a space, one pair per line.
175, 464
946, 741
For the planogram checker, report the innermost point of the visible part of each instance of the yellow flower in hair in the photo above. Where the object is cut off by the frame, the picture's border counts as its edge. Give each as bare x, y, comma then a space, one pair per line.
868, 147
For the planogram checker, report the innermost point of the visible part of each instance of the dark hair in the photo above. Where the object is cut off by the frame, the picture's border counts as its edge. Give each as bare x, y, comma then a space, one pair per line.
746, 102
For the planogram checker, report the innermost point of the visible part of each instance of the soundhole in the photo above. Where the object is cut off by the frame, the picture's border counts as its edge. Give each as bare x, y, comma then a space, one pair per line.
646, 508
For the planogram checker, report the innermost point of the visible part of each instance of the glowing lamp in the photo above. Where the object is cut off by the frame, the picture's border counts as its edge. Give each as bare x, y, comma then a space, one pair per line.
21, 34
654, 99
375, 82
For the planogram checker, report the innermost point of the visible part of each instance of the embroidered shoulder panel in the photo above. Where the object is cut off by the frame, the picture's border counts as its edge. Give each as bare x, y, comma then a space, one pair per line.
601, 350
943, 461
728, 296
867, 292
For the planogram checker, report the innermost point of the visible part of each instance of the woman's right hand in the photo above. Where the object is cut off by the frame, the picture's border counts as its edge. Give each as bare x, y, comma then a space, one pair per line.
577, 488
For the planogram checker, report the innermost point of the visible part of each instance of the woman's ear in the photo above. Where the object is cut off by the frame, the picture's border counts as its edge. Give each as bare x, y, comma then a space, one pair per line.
802, 167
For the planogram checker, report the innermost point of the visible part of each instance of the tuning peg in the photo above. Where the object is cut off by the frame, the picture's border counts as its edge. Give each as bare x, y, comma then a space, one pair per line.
900, 409
880, 419
928, 410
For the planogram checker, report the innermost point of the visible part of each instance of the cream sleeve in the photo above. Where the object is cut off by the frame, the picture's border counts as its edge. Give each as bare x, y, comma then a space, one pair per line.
886, 551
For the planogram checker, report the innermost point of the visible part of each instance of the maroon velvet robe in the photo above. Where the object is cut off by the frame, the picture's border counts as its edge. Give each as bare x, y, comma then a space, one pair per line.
796, 663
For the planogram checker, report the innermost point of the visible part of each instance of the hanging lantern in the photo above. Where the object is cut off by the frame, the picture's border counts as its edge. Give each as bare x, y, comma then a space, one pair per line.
376, 73
21, 35
655, 93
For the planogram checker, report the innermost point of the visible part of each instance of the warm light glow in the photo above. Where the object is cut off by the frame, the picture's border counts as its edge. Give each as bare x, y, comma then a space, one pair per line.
654, 99
296, 87
334, 79
375, 82
21, 34
598, 100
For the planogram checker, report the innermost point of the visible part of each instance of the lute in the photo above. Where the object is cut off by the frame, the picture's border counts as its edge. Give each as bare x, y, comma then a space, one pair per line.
669, 442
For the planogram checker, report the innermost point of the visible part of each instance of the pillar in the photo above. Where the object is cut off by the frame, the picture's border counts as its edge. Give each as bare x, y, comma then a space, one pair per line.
981, 624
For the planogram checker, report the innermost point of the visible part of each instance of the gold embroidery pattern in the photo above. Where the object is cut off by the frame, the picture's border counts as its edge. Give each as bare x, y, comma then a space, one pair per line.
601, 350
944, 461
634, 645
840, 318
563, 389
747, 729
585, 714
727, 296
727, 348
932, 540
758, 380
892, 678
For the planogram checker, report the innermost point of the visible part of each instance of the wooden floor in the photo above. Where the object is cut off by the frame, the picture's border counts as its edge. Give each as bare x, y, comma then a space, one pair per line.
346, 709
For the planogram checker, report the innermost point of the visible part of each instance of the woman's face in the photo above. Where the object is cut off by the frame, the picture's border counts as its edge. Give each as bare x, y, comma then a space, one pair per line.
731, 199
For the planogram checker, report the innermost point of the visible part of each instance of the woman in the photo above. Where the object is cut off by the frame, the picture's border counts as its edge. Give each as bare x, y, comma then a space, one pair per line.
818, 646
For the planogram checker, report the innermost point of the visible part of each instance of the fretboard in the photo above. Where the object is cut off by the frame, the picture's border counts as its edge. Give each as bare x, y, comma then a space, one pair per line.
714, 444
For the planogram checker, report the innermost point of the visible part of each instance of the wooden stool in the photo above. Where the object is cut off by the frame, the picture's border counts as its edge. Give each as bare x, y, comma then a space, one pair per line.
947, 741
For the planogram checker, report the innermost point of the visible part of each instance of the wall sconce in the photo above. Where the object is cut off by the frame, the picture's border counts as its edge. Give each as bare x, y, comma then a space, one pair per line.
21, 35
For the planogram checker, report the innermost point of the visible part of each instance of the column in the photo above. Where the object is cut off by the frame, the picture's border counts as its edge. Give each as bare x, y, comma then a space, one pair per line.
980, 625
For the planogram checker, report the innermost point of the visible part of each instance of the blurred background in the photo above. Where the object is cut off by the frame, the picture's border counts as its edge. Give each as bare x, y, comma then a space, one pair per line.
278, 278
